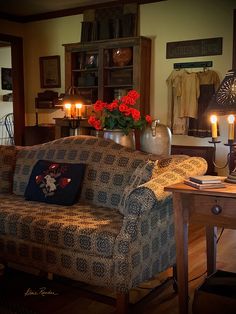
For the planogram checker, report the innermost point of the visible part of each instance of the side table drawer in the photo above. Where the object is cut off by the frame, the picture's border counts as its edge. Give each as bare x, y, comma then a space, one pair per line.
213, 210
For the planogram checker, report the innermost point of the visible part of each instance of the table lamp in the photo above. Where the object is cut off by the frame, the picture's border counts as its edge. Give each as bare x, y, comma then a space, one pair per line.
223, 102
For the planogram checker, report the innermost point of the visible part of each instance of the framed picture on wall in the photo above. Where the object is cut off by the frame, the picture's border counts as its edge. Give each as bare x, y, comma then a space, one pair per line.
6, 78
50, 71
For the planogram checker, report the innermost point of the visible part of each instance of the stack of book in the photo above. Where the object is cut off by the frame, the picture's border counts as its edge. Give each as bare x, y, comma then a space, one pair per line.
206, 182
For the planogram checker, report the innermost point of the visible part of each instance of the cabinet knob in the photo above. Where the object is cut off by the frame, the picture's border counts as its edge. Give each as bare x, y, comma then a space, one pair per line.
216, 209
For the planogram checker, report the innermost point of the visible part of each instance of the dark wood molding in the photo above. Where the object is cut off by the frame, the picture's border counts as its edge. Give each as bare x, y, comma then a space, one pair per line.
234, 42
68, 12
18, 85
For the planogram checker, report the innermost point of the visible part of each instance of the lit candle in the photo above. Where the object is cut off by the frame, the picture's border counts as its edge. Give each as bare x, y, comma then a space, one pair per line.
68, 110
78, 110
231, 127
213, 126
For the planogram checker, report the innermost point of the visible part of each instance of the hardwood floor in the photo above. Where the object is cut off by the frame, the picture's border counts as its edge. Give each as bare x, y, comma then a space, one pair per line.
167, 301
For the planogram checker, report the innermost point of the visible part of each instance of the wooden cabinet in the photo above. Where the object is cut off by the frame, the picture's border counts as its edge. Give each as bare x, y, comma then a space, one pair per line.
107, 69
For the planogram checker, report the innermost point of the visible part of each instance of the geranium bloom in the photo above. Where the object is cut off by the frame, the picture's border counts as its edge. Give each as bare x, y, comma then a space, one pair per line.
135, 114
91, 120
123, 108
148, 119
99, 105
119, 114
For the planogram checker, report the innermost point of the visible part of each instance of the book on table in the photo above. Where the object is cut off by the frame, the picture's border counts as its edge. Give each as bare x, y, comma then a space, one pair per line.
207, 179
205, 186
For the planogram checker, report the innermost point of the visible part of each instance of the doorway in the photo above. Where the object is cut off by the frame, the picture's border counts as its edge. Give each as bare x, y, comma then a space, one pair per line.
18, 85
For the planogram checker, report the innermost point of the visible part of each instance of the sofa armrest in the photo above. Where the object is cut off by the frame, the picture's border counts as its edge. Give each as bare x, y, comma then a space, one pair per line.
143, 198
145, 245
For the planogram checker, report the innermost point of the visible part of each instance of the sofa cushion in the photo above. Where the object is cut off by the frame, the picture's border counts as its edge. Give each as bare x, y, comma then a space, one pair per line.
55, 183
142, 174
83, 228
7, 165
109, 166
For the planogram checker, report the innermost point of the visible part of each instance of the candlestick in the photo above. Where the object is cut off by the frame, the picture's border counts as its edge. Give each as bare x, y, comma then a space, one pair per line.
231, 127
214, 126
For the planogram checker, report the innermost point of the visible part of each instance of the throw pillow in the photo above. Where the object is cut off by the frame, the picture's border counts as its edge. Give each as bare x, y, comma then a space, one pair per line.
7, 165
55, 183
141, 175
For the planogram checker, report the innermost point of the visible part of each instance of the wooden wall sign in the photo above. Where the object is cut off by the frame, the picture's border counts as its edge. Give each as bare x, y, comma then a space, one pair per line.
194, 48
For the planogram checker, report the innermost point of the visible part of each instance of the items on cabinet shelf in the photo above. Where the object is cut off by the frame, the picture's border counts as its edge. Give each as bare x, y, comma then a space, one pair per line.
46, 100
91, 67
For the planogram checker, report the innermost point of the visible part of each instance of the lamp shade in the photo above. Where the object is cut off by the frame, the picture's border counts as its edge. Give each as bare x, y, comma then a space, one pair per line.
73, 97
224, 100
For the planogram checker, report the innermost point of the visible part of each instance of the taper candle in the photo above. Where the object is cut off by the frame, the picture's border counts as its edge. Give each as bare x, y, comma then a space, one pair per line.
78, 110
231, 127
68, 110
213, 126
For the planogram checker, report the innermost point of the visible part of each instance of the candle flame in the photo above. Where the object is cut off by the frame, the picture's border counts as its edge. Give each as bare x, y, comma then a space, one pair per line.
231, 119
213, 118
67, 106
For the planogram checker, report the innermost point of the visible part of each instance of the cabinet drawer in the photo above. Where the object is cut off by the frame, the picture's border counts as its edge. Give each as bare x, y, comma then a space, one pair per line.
212, 210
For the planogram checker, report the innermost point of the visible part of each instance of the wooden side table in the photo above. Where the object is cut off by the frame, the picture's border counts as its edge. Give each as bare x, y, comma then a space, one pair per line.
213, 208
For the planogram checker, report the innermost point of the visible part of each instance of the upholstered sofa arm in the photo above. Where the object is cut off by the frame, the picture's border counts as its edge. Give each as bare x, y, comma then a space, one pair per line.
145, 245
143, 198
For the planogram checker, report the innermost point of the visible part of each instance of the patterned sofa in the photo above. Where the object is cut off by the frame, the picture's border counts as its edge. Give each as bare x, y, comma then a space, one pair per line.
121, 231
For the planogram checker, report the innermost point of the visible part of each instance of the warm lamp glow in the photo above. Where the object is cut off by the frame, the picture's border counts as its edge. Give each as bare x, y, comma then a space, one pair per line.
231, 119
67, 110
78, 109
213, 120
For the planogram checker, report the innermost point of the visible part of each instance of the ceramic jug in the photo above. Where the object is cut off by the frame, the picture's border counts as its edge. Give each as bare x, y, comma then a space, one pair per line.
156, 139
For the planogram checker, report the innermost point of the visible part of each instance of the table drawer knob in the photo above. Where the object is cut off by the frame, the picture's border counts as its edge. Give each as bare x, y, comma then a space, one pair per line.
216, 209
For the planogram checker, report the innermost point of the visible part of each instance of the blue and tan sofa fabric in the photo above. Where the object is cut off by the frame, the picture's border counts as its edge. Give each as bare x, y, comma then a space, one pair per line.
97, 240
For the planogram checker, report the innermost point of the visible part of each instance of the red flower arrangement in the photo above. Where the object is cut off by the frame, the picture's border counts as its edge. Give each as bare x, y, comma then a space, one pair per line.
119, 114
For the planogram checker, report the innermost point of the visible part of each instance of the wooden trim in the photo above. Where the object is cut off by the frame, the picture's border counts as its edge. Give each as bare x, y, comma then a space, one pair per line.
18, 85
234, 42
68, 12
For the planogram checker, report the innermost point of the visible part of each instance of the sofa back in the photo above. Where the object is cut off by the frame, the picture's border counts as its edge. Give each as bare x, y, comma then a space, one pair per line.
109, 166
7, 166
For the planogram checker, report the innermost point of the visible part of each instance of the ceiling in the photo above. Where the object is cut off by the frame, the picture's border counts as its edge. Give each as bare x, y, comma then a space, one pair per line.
31, 10
33, 7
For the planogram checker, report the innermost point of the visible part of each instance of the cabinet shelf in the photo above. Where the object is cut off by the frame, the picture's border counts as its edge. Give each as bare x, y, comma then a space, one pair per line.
113, 68
119, 86
109, 81
87, 87
85, 70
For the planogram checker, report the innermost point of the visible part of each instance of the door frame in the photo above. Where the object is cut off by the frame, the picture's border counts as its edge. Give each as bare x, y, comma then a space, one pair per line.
18, 85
